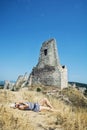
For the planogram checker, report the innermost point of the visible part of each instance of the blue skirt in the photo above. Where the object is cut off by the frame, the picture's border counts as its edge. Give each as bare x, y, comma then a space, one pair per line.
33, 106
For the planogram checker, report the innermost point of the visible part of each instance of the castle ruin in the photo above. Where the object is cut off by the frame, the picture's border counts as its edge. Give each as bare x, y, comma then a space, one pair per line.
48, 70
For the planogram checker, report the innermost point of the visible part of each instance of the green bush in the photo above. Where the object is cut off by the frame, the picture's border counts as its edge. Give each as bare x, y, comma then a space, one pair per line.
38, 89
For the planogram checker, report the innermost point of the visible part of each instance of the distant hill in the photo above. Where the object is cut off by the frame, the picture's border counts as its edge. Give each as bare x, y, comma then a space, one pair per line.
2, 83
78, 84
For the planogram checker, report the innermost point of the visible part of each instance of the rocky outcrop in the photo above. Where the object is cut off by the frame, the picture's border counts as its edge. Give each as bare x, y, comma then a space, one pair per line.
21, 81
8, 85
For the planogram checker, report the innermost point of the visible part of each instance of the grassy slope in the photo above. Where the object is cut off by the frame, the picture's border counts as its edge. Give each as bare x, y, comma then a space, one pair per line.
69, 117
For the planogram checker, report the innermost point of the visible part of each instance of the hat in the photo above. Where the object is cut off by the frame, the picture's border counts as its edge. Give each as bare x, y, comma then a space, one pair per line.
13, 105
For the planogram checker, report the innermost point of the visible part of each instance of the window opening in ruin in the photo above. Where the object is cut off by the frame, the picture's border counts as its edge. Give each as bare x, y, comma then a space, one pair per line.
63, 66
45, 52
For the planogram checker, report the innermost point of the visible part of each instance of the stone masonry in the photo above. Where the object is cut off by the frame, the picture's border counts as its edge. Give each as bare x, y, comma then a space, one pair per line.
48, 71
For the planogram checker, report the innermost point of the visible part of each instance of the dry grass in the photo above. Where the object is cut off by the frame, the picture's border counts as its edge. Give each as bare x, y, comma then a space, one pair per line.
76, 120
10, 120
69, 117
75, 96
66, 118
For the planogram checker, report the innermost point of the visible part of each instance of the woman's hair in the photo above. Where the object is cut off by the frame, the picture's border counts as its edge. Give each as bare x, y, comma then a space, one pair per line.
13, 105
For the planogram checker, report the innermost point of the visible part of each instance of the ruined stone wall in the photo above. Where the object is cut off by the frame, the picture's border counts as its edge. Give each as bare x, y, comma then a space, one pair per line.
64, 77
48, 70
48, 54
47, 76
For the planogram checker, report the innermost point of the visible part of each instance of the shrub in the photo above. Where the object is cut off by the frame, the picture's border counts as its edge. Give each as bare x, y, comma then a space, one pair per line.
38, 89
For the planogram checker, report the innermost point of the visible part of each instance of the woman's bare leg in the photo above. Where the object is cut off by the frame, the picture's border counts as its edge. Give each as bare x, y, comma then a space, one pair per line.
45, 102
42, 108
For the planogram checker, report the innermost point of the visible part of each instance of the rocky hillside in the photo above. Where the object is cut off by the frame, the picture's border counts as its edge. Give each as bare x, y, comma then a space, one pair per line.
68, 116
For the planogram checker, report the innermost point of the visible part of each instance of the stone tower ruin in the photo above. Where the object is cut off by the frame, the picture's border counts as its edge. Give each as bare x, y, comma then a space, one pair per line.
48, 70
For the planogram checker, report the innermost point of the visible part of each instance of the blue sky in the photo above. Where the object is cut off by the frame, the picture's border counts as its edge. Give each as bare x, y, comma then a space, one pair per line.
26, 24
